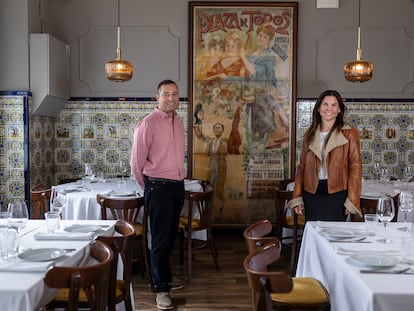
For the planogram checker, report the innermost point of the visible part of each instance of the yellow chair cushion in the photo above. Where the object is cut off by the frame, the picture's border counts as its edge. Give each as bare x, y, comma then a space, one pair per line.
195, 223
63, 294
139, 229
301, 220
304, 291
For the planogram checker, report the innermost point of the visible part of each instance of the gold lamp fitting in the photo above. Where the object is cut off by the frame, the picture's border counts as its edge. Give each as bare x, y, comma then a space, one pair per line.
358, 70
118, 70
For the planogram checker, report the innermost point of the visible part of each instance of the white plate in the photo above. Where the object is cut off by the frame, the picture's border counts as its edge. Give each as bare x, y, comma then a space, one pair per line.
72, 189
374, 260
83, 228
42, 254
338, 234
123, 194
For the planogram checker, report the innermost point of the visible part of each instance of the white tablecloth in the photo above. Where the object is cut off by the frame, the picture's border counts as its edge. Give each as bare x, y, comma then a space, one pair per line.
24, 290
81, 203
349, 289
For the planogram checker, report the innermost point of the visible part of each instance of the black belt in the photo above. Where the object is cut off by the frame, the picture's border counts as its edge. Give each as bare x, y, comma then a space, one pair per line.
156, 179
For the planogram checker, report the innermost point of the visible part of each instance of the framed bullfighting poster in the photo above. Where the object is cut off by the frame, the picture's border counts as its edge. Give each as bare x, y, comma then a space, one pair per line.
242, 75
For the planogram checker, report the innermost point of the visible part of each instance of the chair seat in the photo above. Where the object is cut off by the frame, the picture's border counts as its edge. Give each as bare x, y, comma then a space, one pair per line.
139, 229
195, 223
301, 220
63, 294
305, 291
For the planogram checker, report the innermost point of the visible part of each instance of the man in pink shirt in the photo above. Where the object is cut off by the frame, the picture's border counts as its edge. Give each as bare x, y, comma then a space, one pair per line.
157, 163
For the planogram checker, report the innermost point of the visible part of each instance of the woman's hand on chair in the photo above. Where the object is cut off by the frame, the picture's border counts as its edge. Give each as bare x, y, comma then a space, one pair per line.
299, 209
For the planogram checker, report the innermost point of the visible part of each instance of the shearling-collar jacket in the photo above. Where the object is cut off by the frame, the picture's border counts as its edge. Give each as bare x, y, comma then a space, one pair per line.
343, 164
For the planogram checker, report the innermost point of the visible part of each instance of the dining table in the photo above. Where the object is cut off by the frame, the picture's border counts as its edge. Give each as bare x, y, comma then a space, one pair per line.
22, 287
375, 188
81, 197
81, 201
359, 272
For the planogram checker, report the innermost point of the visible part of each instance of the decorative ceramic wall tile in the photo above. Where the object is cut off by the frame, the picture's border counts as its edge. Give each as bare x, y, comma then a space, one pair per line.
98, 132
14, 110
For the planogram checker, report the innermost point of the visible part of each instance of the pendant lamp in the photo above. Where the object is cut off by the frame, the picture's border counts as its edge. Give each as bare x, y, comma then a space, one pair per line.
118, 70
358, 70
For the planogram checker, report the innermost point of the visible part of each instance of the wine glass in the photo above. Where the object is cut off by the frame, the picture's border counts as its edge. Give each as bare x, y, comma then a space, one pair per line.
406, 205
377, 169
88, 170
385, 175
385, 213
19, 215
123, 168
408, 173
58, 200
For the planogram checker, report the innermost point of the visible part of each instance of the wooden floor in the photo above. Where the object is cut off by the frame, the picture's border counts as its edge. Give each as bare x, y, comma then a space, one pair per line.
227, 289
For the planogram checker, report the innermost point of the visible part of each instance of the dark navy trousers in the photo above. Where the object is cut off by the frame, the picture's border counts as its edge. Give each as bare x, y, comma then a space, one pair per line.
164, 200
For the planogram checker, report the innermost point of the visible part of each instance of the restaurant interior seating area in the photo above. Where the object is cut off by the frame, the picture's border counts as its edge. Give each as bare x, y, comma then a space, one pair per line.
74, 226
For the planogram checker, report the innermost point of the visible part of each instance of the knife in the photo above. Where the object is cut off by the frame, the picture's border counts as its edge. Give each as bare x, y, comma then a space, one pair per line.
399, 271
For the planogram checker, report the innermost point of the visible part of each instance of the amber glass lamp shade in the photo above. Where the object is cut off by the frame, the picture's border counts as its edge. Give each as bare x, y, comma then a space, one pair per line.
358, 71
118, 70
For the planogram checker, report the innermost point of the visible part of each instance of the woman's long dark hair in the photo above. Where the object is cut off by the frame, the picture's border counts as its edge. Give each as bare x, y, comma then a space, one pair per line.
316, 117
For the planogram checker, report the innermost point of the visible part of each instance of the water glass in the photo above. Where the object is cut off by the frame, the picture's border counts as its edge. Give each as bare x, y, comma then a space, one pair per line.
371, 224
408, 249
100, 177
52, 221
9, 245
122, 185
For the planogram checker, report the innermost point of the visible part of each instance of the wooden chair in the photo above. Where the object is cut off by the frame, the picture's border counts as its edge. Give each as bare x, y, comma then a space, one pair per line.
291, 221
93, 279
257, 235
40, 196
126, 209
203, 203
369, 206
121, 244
284, 292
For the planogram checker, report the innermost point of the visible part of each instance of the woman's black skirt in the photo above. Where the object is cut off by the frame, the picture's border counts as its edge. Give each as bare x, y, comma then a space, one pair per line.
324, 206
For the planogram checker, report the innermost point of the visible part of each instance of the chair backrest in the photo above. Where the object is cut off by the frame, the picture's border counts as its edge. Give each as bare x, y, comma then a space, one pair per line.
369, 206
281, 198
203, 202
255, 235
94, 278
256, 264
40, 196
126, 209
121, 244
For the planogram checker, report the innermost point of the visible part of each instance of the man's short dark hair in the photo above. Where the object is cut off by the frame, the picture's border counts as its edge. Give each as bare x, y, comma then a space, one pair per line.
165, 82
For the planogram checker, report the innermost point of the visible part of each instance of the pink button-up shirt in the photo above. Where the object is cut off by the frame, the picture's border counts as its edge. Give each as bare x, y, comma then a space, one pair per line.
158, 147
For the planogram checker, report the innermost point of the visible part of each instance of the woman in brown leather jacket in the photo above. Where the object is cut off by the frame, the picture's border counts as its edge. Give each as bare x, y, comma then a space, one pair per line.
328, 179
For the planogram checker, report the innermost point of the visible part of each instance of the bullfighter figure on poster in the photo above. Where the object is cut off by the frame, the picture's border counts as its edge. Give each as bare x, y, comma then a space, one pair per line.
242, 103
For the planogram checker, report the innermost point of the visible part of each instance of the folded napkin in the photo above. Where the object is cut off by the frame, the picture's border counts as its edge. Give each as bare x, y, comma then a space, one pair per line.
64, 236
18, 265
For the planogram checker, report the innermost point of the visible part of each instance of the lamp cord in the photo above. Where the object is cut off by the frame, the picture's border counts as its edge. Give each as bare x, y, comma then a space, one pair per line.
119, 14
